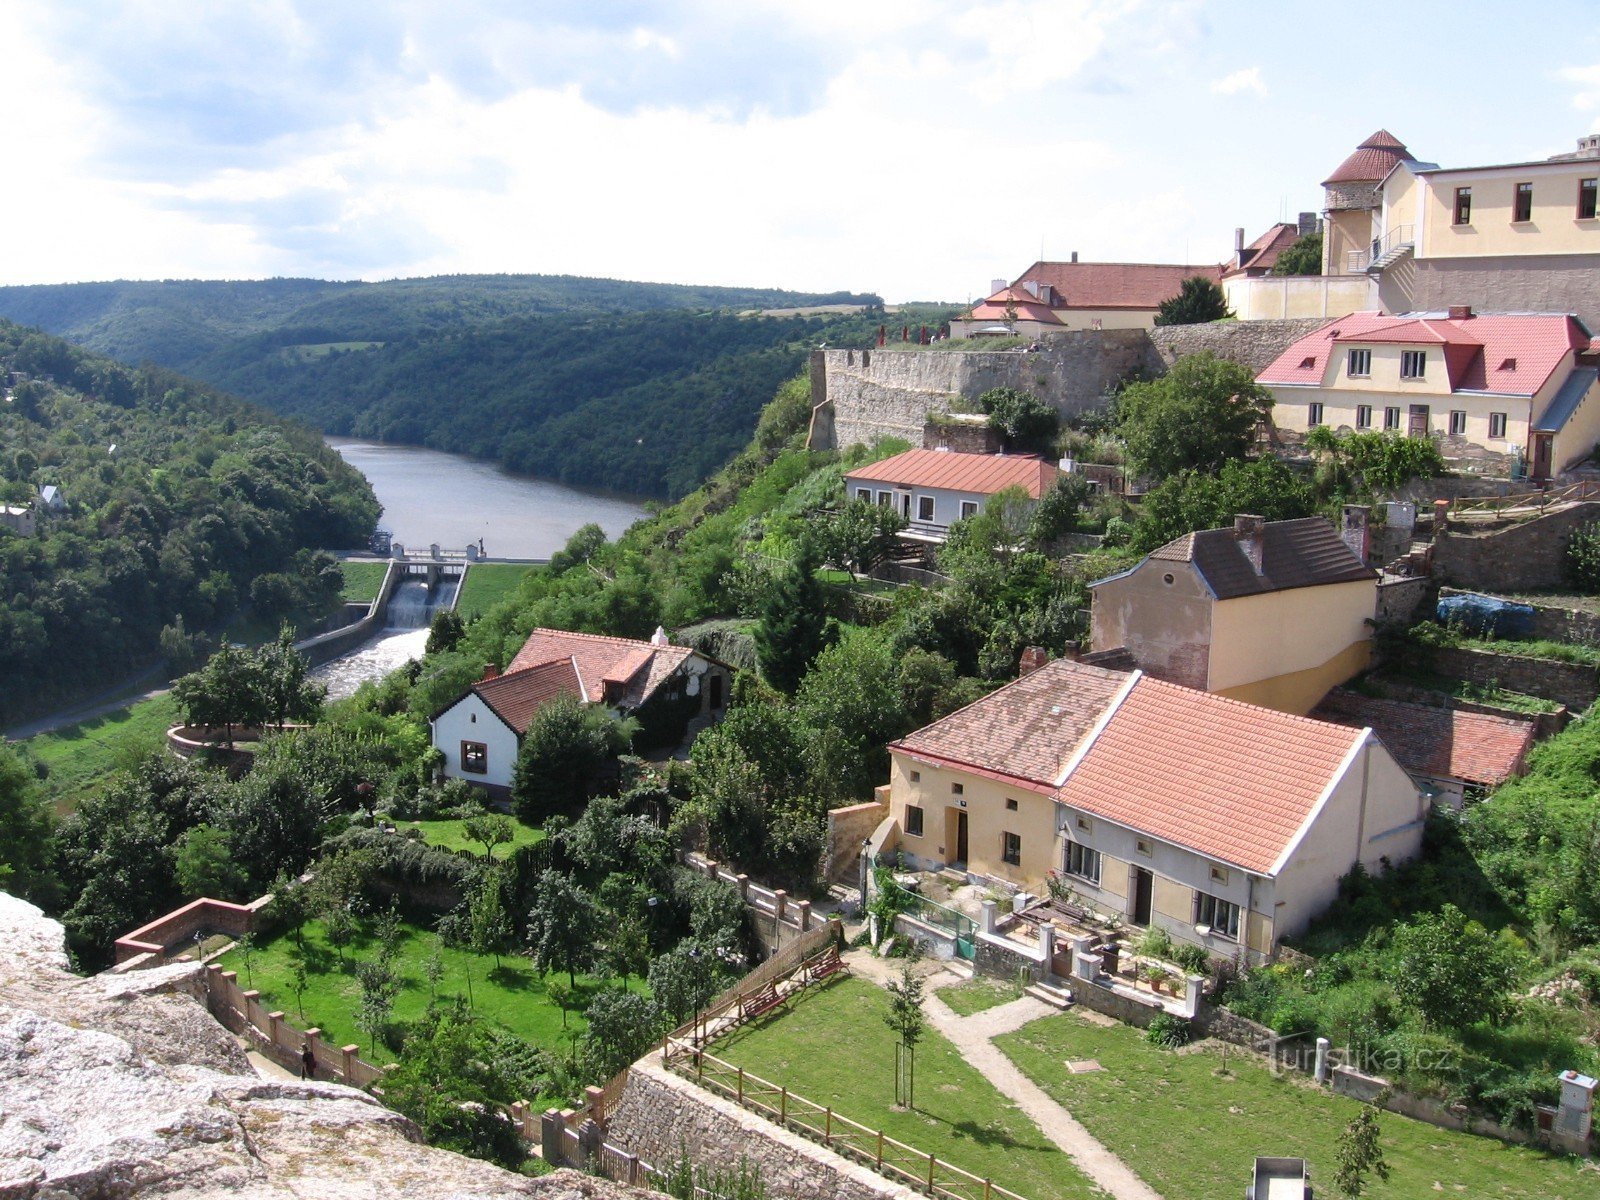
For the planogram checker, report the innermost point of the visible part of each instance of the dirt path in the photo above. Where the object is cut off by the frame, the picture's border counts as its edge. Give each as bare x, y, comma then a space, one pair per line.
973, 1037
93, 707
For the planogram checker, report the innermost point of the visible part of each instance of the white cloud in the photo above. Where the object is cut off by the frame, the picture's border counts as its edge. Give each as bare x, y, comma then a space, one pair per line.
1246, 79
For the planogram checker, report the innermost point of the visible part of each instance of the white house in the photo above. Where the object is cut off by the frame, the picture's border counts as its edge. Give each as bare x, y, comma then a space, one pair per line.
933, 489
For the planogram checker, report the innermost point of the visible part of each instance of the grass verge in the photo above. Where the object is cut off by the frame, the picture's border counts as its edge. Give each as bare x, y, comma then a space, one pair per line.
486, 585
81, 757
451, 835
362, 581
977, 994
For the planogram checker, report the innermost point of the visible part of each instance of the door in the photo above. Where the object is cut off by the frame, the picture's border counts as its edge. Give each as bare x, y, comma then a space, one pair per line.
716, 692
1143, 891
1419, 421
961, 837
1541, 457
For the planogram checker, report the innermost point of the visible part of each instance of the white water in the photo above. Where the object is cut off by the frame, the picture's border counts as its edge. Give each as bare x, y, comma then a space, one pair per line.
390, 650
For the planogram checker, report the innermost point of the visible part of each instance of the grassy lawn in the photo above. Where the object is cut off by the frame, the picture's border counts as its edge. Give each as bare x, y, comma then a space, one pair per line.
513, 996
1191, 1132
451, 835
81, 757
487, 584
362, 580
977, 994
833, 1047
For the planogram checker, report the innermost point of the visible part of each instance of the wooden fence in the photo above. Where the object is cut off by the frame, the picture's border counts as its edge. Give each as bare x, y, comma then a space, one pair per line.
1587, 489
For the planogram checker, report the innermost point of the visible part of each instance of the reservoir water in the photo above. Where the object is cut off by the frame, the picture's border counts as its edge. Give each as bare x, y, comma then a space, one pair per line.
429, 496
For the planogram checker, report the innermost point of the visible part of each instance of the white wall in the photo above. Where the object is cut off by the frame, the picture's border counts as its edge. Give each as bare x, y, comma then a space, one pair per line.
470, 720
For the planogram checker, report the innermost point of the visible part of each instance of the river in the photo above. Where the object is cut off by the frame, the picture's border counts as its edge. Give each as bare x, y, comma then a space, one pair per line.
429, 496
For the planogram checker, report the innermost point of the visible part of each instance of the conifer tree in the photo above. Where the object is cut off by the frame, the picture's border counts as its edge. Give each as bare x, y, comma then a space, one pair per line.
793, 626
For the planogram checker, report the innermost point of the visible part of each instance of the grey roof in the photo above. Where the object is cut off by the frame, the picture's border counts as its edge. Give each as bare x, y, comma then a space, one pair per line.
1566, 400
1304, 553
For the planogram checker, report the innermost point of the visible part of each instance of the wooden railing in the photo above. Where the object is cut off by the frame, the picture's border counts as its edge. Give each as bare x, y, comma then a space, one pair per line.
888, 1156
1587, 489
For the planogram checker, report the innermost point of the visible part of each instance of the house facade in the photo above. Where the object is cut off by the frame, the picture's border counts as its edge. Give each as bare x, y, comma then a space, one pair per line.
1273, 613
17, 518
1054, 296
1226, 824
1511, 392
933, 489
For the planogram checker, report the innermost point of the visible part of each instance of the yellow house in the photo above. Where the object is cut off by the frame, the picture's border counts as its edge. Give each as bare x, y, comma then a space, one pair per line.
1274, 613
1226, 824
1508, 390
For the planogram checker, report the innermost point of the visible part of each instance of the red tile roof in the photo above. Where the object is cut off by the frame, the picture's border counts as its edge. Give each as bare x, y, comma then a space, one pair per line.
1371, 161
1261, 255
1509, 354
515, 696
1228, 780
634, 669
1027, 308
1113, 285
1436, 742
980, 474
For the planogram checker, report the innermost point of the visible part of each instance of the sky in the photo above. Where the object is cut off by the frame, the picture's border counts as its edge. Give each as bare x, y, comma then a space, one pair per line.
912, 148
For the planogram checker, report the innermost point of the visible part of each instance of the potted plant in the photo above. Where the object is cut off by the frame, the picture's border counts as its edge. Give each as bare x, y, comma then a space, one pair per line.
1158, 977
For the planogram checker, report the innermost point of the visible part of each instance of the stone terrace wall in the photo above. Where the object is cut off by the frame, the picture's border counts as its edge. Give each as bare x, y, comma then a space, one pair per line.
1572, 684
1518, 558
1550, 622
1253, 343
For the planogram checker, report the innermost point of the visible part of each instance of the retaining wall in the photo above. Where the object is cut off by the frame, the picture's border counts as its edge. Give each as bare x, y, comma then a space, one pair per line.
1518, 558
1549, 622
1399, 599
328, 646
176, 929
1571, 684
848, 828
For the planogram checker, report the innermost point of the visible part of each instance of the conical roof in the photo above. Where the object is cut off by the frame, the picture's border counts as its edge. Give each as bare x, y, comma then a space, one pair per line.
1372, 160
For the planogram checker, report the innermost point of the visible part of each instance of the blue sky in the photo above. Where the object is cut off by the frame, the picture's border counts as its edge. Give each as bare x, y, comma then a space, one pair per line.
915, 148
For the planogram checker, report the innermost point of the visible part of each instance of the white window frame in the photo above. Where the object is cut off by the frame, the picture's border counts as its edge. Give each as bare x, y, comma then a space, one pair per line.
885, 499
864, 493
925, 508
1222, 917
1363, 416
1360, 363
1458, 422
1081, 862
1391, 417
1497, 426
1313, 414
1413, 364
969, 508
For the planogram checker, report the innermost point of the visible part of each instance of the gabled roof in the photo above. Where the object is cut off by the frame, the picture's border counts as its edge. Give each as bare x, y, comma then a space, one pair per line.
1261, 255
615, 670
1511, 354
1371, 161
1113, 285
1437, 742
1027, 308
1025, 731
980, 474
1294, 554
515, 696
1225, 779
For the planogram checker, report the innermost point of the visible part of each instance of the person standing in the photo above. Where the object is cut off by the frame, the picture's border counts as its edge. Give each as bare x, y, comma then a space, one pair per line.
308, 1061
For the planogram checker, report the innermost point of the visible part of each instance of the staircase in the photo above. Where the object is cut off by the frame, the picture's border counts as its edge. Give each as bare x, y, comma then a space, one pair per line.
1388, 258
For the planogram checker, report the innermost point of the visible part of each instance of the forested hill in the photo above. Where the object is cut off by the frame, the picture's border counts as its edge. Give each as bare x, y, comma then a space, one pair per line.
180, 502
644, 388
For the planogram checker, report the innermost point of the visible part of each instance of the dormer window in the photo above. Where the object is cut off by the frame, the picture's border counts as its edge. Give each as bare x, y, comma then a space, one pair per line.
1308, 362
1509, 364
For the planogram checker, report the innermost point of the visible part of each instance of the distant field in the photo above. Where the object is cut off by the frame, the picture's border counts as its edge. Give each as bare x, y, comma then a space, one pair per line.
310, 351
81, 757
487, 584
362, 580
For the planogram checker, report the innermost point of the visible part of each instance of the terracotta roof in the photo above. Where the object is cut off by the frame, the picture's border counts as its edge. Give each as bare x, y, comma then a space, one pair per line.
1228, 780
1025, 731
1437, 742
1027, 308
1261, 255
634, 669
981, 474
1504, 353
1113, 285
1371, 161
1304, 553
515, 696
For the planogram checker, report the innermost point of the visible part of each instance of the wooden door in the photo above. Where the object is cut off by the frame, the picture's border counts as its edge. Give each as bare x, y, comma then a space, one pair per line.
961, 837
1541, 457
1419, 421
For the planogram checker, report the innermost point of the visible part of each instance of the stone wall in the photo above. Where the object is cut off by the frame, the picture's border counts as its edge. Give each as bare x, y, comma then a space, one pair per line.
1572, 684
660, 1115
1550, 622
848, 828
1518, 558
1399, 599
1253, 343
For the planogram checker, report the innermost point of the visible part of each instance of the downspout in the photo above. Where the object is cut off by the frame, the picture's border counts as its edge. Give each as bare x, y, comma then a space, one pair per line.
1361, 811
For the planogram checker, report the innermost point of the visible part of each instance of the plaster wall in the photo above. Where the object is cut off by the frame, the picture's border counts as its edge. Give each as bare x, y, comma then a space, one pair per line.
1162, 612
1554, 229
988, 820
471, 720
1300, 636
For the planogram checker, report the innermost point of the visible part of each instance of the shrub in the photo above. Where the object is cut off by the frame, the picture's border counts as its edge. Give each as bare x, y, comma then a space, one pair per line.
1192, 959
1156, 943
1169, 1031
1583, 558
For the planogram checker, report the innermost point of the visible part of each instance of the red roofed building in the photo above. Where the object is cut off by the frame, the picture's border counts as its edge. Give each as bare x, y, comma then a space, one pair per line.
1506, 389
667, 688
933, 489
1054, 296
1226, 824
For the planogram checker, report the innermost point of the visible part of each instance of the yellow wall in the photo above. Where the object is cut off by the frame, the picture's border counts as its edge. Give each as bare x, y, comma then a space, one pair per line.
1286, 643
1291, 408
1109, 318
987, 819
1577, 438
1554, 229
1282, 297
1346, 230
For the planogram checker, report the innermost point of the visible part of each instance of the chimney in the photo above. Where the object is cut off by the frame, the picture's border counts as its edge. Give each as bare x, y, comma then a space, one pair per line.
1307, 223
659, 637
1249, 532
1033, 658
1354, 530
1074, 256
996, 285
1238, 246
490, 671
1461, 312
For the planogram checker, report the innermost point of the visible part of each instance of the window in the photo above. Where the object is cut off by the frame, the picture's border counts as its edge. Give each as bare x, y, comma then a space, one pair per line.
1011, 849
1463, 214
969, 508
1413, 364
1391, 418
1458, 421
957, 789
1142, 846
1221, 915
864, 494
924, 508
1363, 416
1219, 874
1588, 192
475, 758
1522, 203
1011, 805
1497, 425
1314, 414
1083, 862
885, 499
916, 777
1361, 362
913, 821
1083, 824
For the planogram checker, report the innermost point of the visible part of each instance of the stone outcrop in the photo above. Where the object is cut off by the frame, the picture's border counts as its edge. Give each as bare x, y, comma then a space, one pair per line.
124, 1086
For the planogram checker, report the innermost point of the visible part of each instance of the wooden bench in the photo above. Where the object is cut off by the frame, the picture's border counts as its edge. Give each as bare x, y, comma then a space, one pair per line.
824, 964
760, 1001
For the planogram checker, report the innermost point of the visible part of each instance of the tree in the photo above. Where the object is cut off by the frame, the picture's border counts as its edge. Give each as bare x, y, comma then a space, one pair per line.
445, 632
226, 691
380, 984
1057, 511
281, 673
1452, 970
1198, 300
684, 980
205, 865
1358, 1153
906, 1020
488, 921
1302, 257
1192, 500
25, 830
622, 1026
1028, 424
793, 623
1201, 414
859, 536
563, 926
489, 830
565, 747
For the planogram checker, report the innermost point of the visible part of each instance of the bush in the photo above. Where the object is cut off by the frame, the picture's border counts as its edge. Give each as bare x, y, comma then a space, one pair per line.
1583, 558
1169, 1031
1192, 959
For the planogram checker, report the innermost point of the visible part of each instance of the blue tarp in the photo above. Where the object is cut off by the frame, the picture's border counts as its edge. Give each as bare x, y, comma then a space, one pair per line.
1484, 616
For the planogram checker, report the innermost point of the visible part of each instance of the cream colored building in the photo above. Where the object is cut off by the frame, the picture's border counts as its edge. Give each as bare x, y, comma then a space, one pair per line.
1051, 297
1273, 613
1226, 824
1515, 391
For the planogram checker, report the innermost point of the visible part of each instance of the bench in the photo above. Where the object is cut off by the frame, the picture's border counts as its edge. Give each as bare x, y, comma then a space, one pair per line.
760, 1001
824, 964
